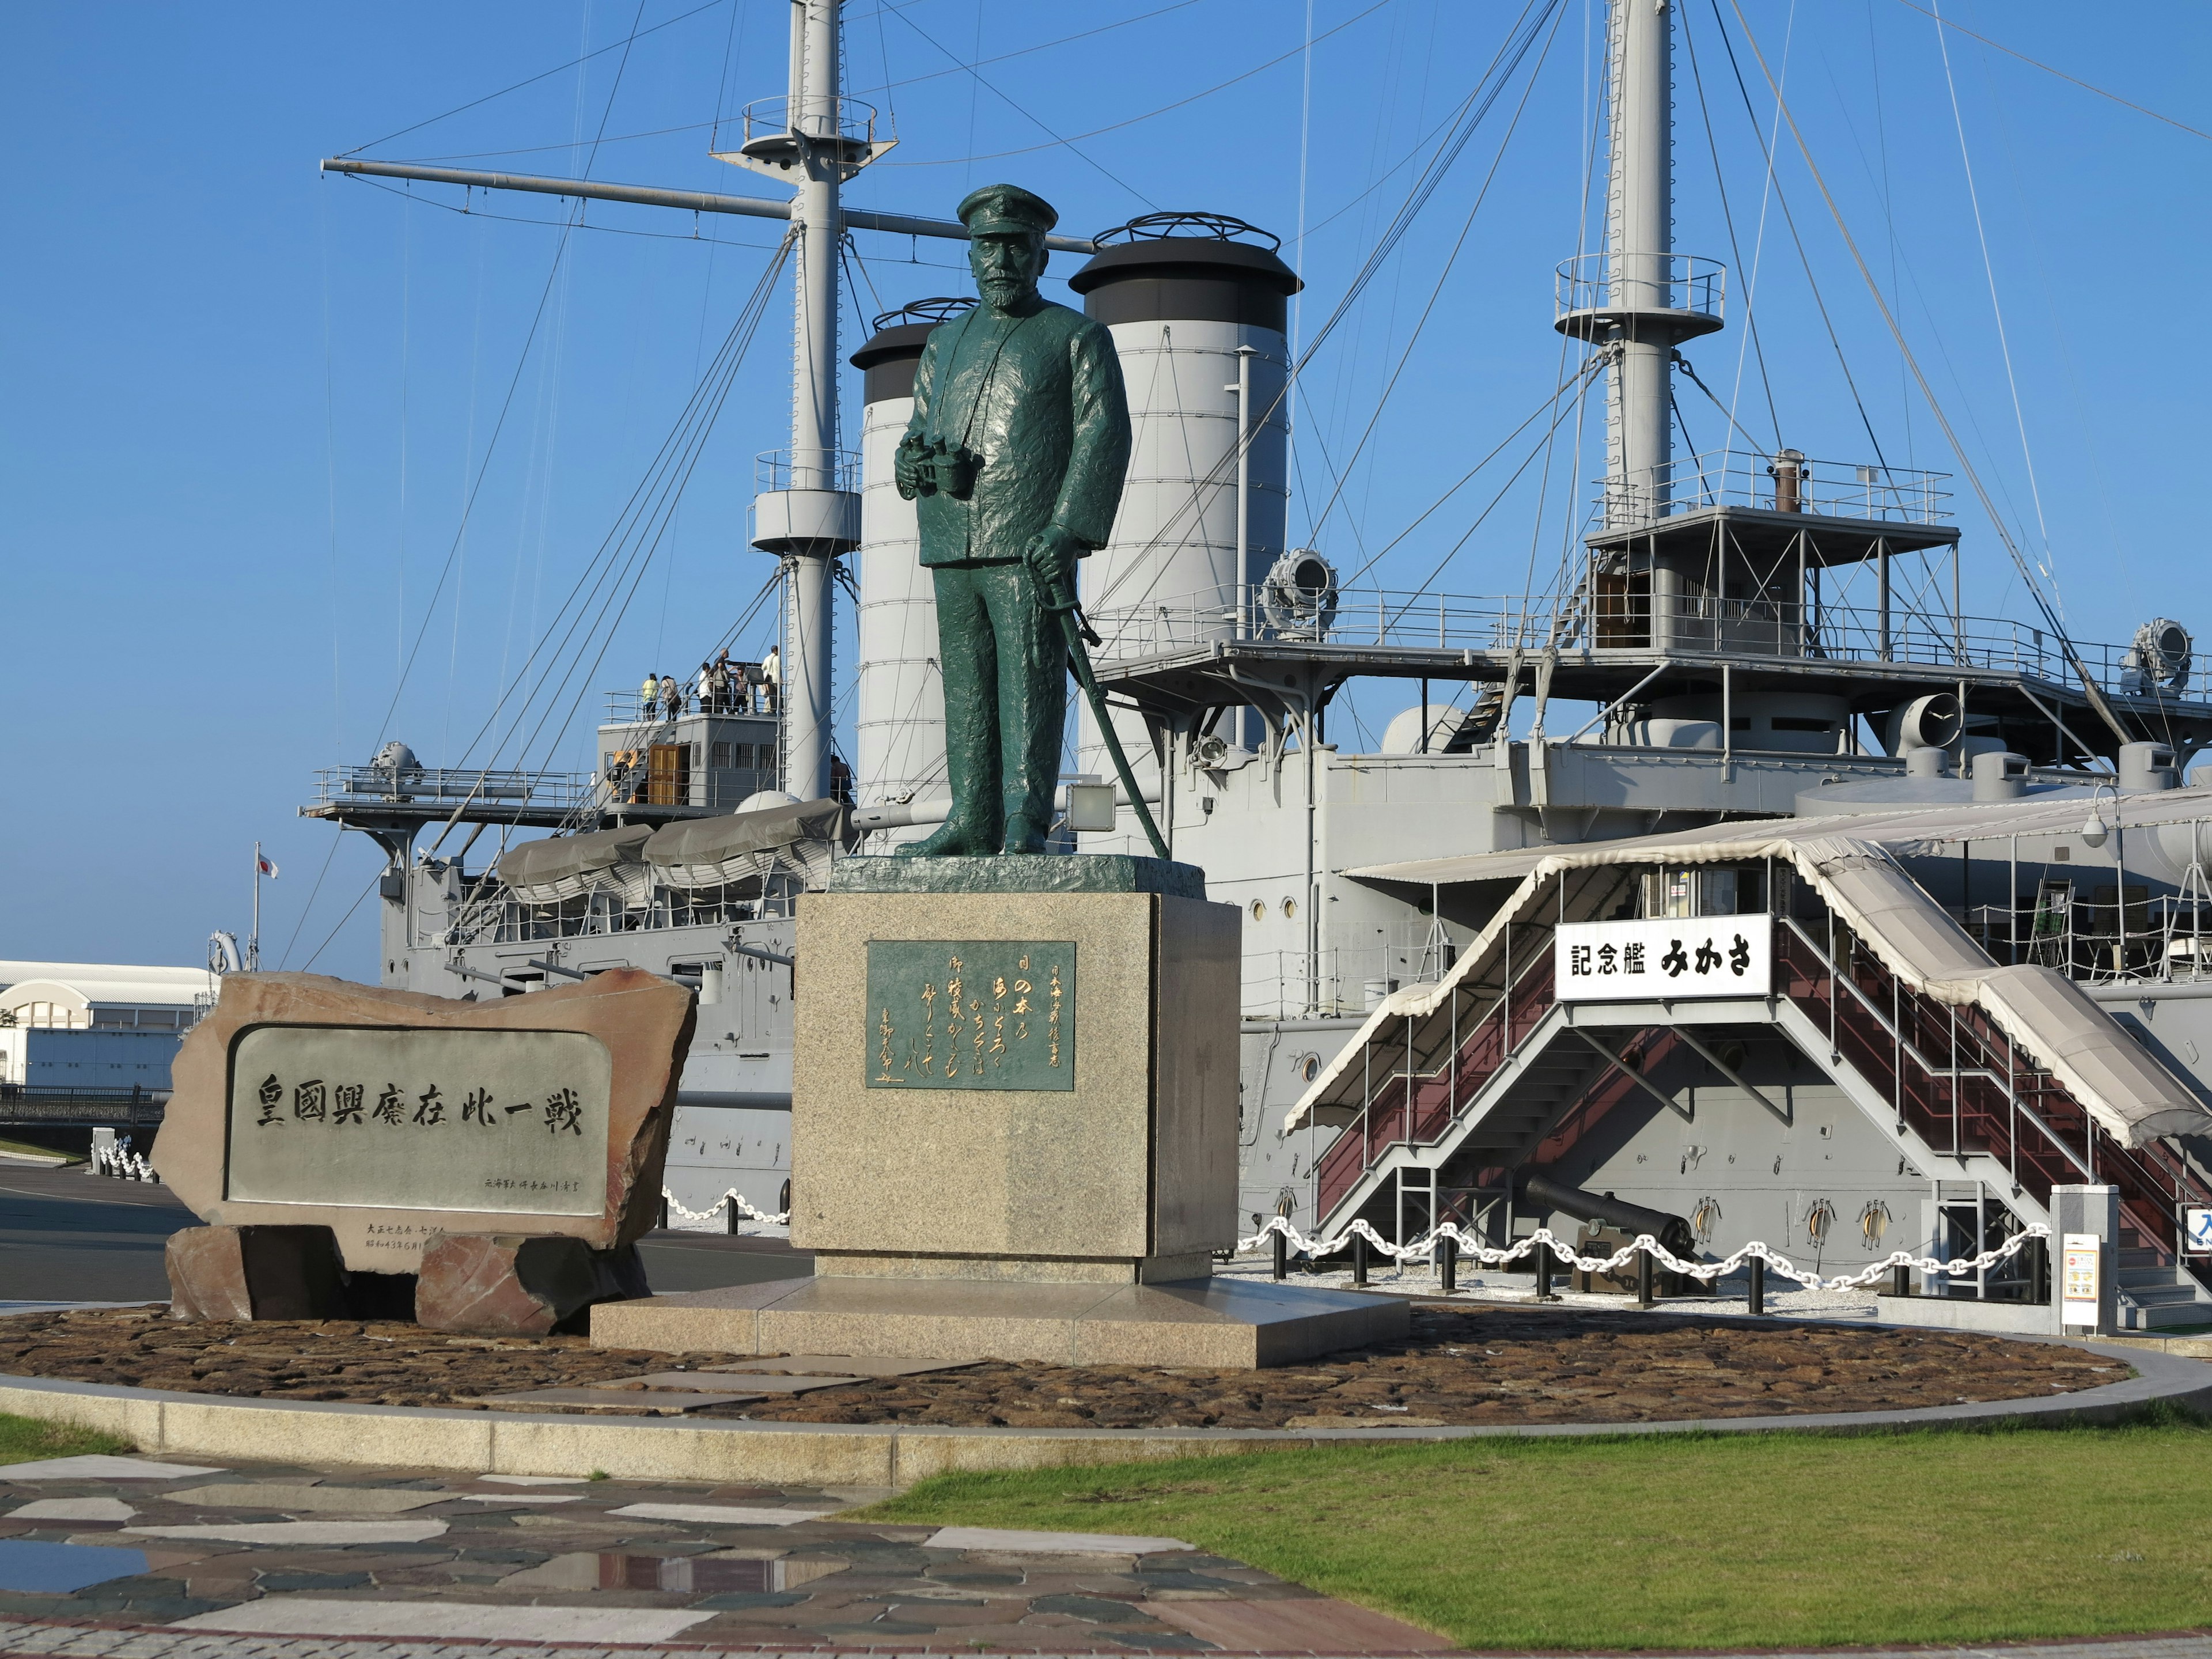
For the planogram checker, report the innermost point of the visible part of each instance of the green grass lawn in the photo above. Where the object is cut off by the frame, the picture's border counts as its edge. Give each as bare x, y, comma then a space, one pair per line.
7, 1146
1678, 1541
22, 1439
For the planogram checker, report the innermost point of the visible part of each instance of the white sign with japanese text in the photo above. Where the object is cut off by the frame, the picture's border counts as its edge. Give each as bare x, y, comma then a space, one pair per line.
2081, 1293
1670, 956
507, 1121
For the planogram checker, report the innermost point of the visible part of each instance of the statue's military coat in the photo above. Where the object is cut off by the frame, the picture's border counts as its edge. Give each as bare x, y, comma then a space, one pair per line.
1039, 399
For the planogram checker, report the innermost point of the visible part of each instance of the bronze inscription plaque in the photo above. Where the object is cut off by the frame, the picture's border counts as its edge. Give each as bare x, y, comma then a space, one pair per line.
971, 1014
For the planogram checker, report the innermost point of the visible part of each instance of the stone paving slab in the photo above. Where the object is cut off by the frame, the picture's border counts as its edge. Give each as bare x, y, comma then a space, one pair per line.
263, 1561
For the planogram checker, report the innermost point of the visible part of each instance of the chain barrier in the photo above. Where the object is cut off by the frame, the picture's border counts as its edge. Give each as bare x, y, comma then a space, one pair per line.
1705, 1272
721, 1208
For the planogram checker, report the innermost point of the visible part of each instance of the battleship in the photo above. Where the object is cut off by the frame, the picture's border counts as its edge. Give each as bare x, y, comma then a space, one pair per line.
1955, 853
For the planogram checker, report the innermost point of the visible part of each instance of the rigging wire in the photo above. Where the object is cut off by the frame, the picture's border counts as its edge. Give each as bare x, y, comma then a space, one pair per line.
1735, 249
492, 446
2037, 63
1071, 140
2094, 692
635, 35
1996, 308
1574, 384
1036, 121
1436, 291
1789, 219
1519, 39
635, 511
1466, 535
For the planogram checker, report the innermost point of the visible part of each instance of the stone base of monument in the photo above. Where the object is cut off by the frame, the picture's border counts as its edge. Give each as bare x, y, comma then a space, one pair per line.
1203, 1321
256, 1272
518, 1284
1014, 1130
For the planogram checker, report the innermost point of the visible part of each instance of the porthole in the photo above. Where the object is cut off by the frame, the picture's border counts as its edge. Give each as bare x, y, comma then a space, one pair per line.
1290, 907
1259, 909
1310, 1067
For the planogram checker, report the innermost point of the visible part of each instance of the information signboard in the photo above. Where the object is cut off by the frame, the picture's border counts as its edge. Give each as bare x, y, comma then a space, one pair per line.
1664, 957
2080, 1279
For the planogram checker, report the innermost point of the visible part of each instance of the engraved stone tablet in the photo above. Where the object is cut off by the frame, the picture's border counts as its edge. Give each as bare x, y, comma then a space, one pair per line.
970, 1014
391, 1117
510, 1121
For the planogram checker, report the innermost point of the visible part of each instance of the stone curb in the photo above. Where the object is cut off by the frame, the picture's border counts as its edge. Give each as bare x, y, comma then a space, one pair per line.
76, 1639
875, 1455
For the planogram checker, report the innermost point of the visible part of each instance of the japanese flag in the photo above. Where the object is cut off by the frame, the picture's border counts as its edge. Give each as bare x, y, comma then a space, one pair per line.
268, 867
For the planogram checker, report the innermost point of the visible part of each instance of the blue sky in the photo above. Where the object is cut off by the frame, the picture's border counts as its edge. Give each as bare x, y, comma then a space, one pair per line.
243, 406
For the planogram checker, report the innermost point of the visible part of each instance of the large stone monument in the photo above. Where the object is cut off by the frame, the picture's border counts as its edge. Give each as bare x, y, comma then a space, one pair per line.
364, 1152
1015, 1088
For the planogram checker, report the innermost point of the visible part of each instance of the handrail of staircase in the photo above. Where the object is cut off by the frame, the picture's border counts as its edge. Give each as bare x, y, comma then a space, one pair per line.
1500, 1009
1906, 1047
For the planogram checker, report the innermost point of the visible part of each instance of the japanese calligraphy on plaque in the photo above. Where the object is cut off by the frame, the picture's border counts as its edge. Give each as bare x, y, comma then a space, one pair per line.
509, 1121
971, 1014
1664, 957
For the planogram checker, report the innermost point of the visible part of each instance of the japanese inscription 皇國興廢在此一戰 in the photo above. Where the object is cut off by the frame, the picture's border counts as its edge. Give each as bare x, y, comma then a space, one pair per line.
970, 1014
511, 1120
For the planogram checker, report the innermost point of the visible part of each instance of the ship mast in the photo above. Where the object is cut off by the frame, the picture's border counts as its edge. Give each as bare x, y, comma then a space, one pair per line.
1639, 300
1639, 247
807, 512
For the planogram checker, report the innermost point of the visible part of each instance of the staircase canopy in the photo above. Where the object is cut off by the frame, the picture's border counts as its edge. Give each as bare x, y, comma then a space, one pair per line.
1847, 862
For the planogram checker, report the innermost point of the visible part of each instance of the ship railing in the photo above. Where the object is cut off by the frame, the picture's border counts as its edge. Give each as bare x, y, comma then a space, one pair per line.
847, 119
1775, 483
1646, 282
633, 708
1335, 982
776, 470
1408, 619
350, 785
1785, 627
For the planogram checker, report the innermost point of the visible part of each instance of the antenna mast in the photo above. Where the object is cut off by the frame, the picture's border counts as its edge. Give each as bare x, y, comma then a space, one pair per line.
1640, 244
808, 512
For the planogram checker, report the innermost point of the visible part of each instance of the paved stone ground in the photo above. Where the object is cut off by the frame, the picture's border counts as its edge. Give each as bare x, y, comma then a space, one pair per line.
1462, 1365
305, 1561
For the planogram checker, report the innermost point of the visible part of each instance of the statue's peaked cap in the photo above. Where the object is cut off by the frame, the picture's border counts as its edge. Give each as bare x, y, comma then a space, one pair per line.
1003, 209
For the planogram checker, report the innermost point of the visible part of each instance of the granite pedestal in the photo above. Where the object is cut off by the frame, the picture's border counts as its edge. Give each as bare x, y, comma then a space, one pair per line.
1014, 1130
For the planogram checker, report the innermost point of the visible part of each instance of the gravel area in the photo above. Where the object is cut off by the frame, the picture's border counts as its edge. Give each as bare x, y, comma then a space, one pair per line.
1461, 1364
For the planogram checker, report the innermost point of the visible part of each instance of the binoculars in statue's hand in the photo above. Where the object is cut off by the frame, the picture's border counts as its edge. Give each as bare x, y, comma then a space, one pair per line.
942, 467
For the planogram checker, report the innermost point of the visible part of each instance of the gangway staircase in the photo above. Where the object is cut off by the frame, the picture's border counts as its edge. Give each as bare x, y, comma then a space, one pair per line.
1503, 1073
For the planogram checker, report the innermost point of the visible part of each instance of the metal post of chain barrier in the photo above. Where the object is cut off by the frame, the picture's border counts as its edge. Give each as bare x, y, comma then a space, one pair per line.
730, 1213
1544, 1275
1759, 1287
663, 1223
1359, 1258
1282, 1258
1900, 1280
1644, 1290
1448, 1263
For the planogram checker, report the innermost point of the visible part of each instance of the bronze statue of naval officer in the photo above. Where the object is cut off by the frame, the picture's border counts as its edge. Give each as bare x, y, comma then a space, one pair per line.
1014, 459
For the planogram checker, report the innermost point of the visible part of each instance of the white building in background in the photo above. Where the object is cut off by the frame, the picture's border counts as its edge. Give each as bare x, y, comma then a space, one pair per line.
98, 1027
82, 995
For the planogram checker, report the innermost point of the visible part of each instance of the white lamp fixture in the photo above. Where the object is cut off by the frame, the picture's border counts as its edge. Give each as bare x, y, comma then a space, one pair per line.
2094, 831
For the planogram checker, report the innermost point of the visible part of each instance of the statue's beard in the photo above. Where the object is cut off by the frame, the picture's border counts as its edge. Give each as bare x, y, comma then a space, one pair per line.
1004, 291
